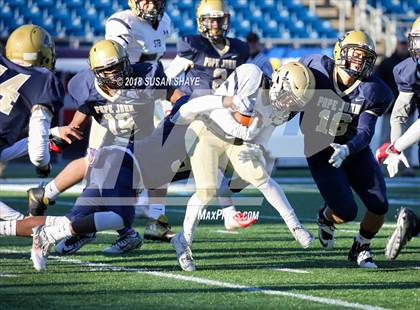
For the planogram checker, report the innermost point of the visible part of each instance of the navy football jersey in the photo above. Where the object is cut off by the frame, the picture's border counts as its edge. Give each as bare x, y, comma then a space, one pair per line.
211, 66
130, 111
332, 115
407, 76
21, 88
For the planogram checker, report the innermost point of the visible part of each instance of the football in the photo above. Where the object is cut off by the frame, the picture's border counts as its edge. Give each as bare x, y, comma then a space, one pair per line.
245, 120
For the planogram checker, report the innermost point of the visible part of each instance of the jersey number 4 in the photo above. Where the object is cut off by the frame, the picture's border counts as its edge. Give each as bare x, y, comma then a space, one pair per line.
9, 90
336, 125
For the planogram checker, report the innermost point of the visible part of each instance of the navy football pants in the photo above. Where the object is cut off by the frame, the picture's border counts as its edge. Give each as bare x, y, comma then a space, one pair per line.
359, 172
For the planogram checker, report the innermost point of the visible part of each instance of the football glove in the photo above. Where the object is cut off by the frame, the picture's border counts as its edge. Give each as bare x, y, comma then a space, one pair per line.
393, 160
243, 105
251, 153
339, 155
381, 153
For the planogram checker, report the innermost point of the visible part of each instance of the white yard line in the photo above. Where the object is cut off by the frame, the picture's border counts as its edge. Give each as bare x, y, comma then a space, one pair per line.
107, 267
291, 270
220, 231
7, 275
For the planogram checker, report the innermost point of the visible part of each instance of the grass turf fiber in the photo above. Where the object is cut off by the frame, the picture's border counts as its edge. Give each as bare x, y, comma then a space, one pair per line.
250, 258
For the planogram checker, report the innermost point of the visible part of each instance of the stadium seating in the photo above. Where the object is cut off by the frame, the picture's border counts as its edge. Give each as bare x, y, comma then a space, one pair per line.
79, 18
270, 18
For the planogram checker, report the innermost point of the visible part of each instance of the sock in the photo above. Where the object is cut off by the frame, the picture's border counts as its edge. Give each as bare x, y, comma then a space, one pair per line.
56, 233
276, 197
8, 228
156, 210
8, 214
229, 212
194, 207
362, 240
126, 231
142, 209
51, 191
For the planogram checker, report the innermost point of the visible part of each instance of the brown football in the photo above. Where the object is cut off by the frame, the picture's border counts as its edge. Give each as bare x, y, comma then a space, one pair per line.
245, 120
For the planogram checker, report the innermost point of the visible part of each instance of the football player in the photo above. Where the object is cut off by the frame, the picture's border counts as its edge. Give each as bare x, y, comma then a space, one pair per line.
218, 137
142, 30
407, 78
113, 176
408, 223
338, 127
206, 60
30, 96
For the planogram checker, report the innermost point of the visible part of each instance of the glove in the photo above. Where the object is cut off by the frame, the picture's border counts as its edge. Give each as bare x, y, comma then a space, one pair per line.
57, 144
381, 152
243, 105
393, 160
252, 152
340, 153
43, 172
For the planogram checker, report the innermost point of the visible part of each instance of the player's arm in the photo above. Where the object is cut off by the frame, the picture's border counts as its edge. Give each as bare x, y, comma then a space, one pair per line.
400, 114
118, 30
178, 66
39, 124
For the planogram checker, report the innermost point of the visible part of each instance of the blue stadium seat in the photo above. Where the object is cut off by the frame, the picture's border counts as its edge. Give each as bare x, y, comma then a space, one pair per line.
45, 3
73, 4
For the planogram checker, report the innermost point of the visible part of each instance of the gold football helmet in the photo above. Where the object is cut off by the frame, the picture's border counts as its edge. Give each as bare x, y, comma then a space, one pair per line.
414, 41
109, 62
31, 45
151, 15
355, 54
210, 12
293, 86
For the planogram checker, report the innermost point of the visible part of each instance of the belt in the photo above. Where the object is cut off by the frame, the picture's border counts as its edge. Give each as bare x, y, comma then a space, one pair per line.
215, 129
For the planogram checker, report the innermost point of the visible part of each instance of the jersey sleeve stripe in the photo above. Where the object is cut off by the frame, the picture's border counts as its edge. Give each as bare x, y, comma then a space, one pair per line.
121, 22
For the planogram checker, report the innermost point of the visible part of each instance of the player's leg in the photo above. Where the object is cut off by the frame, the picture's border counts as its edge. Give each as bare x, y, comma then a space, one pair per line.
204, 150
408, 226
7, 213
367, 180
333, 184
253, 171
40, 198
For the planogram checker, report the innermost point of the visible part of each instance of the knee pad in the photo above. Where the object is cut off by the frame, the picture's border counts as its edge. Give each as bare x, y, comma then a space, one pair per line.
379, 207
108, 220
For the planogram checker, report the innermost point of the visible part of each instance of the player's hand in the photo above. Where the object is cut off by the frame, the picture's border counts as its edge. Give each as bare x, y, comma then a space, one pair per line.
341, 151
61, 137
381, 152
252, 152
243, 105
44, 171
392, 162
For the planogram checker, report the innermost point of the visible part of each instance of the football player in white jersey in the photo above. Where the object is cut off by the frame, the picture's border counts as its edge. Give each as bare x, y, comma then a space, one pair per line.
142, 31
239, 137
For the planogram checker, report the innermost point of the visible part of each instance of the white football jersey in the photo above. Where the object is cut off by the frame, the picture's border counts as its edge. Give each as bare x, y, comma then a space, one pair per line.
245, 81
142, 41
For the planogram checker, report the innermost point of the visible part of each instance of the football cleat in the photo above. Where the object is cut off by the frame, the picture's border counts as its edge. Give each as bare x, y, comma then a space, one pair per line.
326, 234
183, 252
125, 243
406, 224
40, 248
304, 237
159, 230
239, 220
71, 245
37, 203
360, 254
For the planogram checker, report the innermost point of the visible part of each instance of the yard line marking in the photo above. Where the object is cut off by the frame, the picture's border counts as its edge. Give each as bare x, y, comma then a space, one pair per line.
7, 275
292, 270
220, 231
208, 282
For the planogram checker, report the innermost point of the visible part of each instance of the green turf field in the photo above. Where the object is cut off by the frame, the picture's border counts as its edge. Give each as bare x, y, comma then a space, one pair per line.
260, 267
